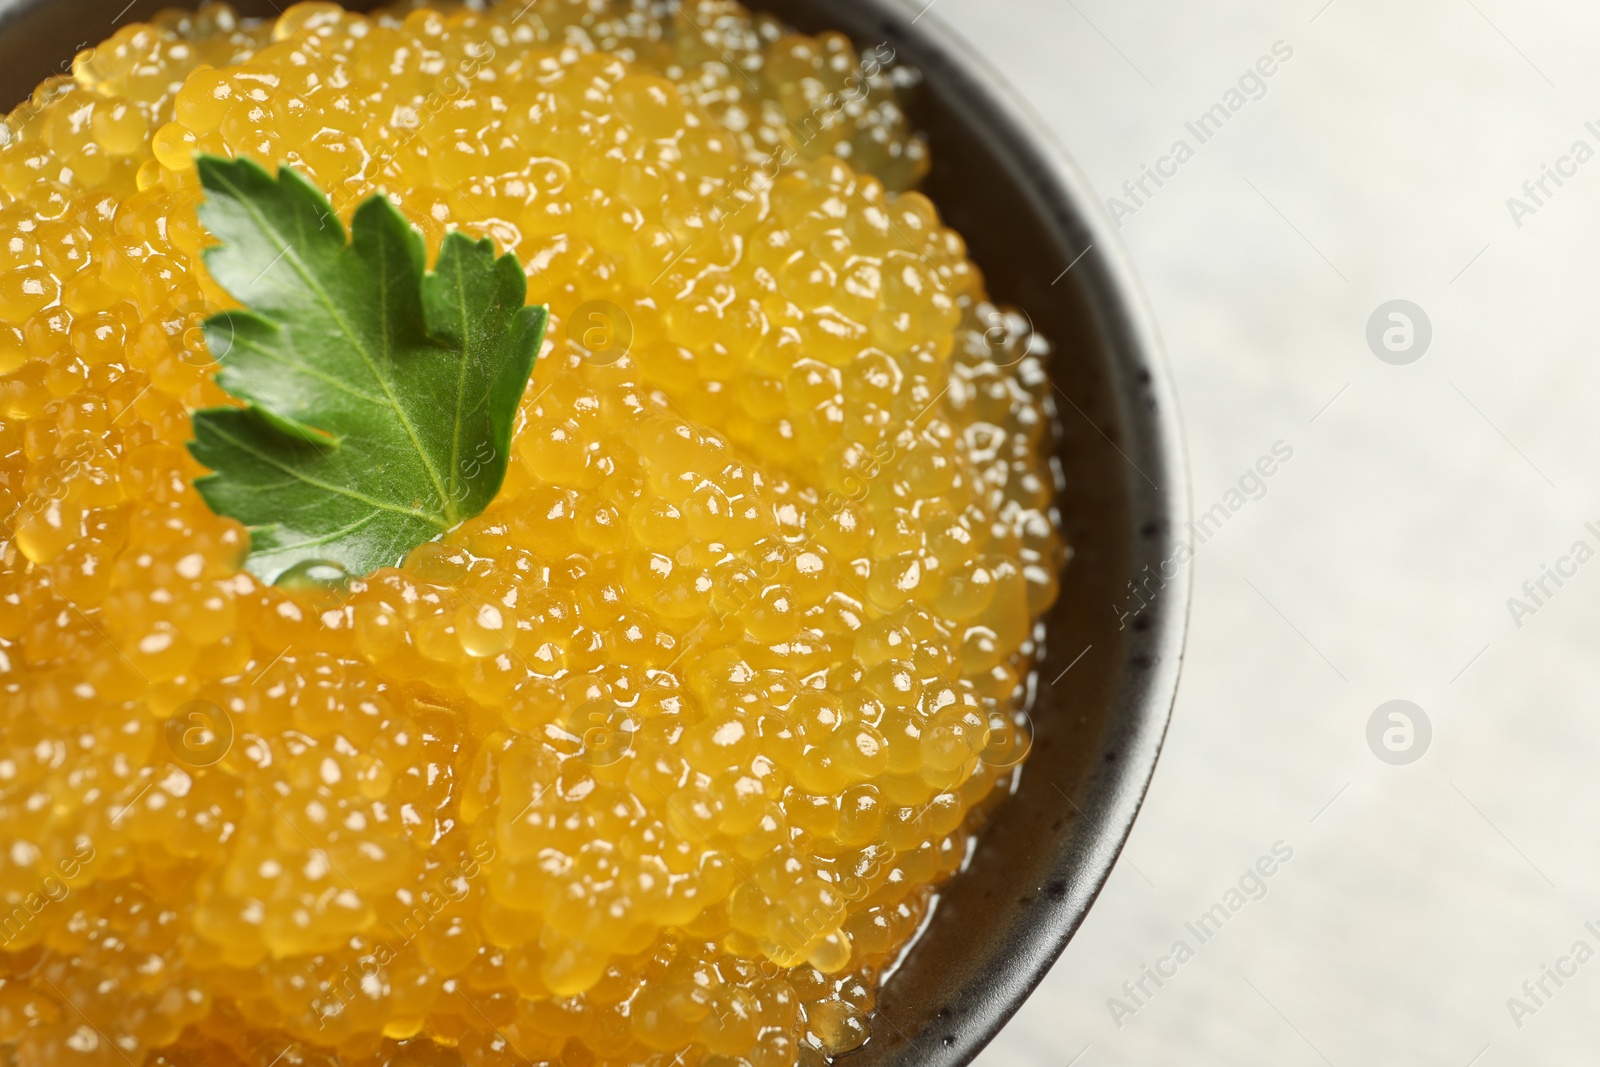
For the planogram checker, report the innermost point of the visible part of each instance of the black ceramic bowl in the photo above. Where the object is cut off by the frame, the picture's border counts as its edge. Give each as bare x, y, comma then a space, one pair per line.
1028, 216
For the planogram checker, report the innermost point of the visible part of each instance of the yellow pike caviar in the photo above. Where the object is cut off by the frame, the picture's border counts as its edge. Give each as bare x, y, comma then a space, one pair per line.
659, 759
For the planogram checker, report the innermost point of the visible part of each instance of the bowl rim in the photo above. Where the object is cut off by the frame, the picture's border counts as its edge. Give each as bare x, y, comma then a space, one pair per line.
1152, 428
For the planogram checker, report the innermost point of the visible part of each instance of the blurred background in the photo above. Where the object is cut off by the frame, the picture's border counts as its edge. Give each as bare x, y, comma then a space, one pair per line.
1441, 852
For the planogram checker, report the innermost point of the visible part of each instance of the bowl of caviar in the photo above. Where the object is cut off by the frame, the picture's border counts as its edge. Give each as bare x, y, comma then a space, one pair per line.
592, 532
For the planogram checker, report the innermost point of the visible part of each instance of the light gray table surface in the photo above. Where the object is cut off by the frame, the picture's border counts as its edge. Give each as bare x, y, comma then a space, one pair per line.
1376, 165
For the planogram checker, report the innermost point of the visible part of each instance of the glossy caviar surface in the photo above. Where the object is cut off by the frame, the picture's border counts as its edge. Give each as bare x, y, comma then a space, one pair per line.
659, 759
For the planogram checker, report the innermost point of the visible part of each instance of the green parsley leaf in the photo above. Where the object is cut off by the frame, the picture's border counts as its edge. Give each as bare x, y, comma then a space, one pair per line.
380, 398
